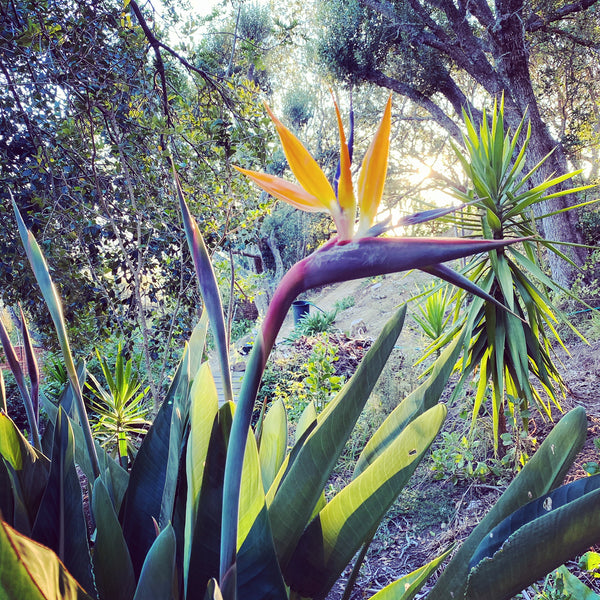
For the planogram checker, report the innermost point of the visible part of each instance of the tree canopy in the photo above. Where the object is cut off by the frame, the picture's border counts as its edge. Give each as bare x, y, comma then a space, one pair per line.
447, 56
92, 110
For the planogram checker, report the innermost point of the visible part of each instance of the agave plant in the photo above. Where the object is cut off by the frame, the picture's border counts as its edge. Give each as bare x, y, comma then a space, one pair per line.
214, 509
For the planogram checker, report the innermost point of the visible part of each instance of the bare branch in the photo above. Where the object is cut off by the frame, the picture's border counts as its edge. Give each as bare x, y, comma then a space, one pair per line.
403, 89
573, 38
536, 22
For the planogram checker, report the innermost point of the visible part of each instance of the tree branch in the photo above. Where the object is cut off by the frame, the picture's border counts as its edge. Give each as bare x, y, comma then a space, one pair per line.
573, 38
383, 80
465, 49
157, 45
480, 9
536, 22
160, 65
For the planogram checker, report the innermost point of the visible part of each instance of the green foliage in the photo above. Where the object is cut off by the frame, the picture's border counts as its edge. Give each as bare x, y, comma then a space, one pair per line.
207, 496
344, 303
294, 233
283, 379
123, 504
297, 107
357, 40
434, 314
297, 544
321, 382
314, 323
592, 467
458, 458
572, 586
590, 562
589, 221
89, 166
55, 376
551, 589
240, 328
302, 377
122, 411
310, 550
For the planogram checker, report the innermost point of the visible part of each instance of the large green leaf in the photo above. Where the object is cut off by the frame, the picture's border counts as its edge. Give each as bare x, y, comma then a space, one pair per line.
156, 580
301, 487
408, 586
203, 410
42, 275
546, 542
112, 563
206, 540
258, 574
17, 371
335, 535
154, 475
3, 406
204, 404
28, 471
12, 444
32, 369
7, 494
308, 419
209, 288
32, 572
531, 511
544, 471
60, 522
416, 403
273, 443
115, 477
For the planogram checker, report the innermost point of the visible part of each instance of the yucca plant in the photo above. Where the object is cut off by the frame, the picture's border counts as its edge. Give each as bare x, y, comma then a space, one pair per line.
209, 511
434, 314
507, 348
121, 412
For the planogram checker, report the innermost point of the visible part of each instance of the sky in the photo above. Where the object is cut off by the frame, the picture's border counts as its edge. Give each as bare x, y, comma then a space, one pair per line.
203, 7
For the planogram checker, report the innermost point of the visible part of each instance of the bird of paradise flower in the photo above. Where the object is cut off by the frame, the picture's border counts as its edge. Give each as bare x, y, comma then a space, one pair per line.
314, 193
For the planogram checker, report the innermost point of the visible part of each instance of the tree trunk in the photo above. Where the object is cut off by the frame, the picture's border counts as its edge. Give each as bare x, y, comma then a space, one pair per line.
513, 67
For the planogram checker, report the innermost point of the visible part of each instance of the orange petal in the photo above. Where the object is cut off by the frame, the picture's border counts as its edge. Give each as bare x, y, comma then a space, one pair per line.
374, 170
284, 190
303, 165
345, 189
